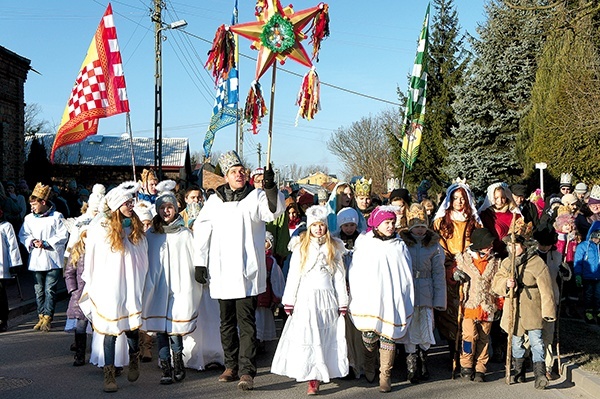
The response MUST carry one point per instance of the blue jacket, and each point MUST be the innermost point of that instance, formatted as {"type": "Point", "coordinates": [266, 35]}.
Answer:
{"type": "Point", "coordinates": [587, 257]}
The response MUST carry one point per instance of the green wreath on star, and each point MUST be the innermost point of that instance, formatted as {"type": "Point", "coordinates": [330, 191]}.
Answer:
{"type": "Point", "coordinates": [284, 40]}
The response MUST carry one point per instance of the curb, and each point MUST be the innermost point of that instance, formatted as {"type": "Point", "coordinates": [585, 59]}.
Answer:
{"type": "Point", "coordinates": [585, 380]}
{"type": "Point", "coordinates": [30, 305]}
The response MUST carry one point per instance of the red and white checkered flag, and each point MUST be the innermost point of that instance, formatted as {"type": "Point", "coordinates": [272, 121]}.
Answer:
{"type": "Point", "coordinates": [99, 89]}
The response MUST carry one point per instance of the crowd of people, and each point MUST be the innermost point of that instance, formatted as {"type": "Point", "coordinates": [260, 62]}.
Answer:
{"type": "Point", "coordinates": [357, 278]}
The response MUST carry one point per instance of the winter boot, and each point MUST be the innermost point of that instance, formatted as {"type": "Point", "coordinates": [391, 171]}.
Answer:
{"type": "Point", "coordinates": [423, 364]}
{"type": "Point", "coordinates": [134, 367]}
{"type": "Point", "coordinates": [167, 371]}
{"type": "Point", "coordinates": [80, 344]}
{"type": "Point", "coordinates": [46, 323]}
{"type": "Point", "coordinates": [38, 325]}
{"type": "Point", "coordinates": [386, 363]}
{"type": "Point", "coordinates": [110, 384]}
{"type": "Point", "coordinates": [146, 347]}
{"type": "Point", "coordinates": [518, 364]}
{"type": "Point", "coordinates": [313, 387]}
{"type": "Point", "coordinates": [539, 371]}
{"type": "Point", "coordinates": [412, 368]}
{"type": "Point", "coordinates": [370, 365]}
{"type": "Point", "coordinates": [479, 377]}
{"type": "Point", "coordinates": [179, 367]}
{"type": "Point", "coordinates": [466, 373]}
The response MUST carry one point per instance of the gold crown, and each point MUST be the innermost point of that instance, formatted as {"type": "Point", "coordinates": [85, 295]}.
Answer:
{"type": "Point", "coordinates": [362, 187]}
{"type": "Point", "coordinates": [40, 191]}
{"type": "Point", "coordinates": [229, 160]}
{"type": "Point", "coordinates": [417, 216]}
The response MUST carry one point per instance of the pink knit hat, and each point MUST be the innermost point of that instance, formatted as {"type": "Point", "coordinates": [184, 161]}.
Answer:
{"type": "Point", "coordinates": [380, 214]}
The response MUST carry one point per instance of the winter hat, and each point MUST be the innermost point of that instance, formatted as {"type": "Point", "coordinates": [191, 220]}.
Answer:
{"type": "Point", "coordinates": [270, 239]}
{"type": "Point", "coordinates": [565, 180]}
{"type": "Point", "coordinates": [72, 185]}
{"type": "Point", "coordinates": [545, 236]}
{"type": "Point", "coordinates": [165, 194]}
{"type": "Point", "coordinates": [147, 175]}
{"type": "Point", "coordinates": [581, 188]}
{"type": "Point", "coordinates": [568, 199]}
{"type": "Point", "coordinates": [347, 215]}
{"type": "Point", "coordinates": [553, 200]}
{"type": "Point", "coordinates": [229, 160]}
{"type": "Point", "coordinates": [95, 197]}
{"type": "Point", "coordinates": [257, 171]}
{"type": "Point", "coordinates": [594, 195]}
{"type": "Point", "coordinates": [41, 191]}
{"type": "Point", "coordinates": [143, 212]}
{"type": "Point", "coordinates": [481, 238]}
{"type": "Point", "coordinates": [121, 194]}
{"type": "Point", "coordinates": [562, 220]}
{"type": "Point", "coordinates": [382, 213]}
{"type": "Point", "coordinates": [400, 193]}
{"type": "Point", "coordinates": [519, 190]}
{"type": "Point", "coordinates": [316, 213]}
{"type": "Point", "coordinates": [322, 195]}
{"type": "Point", "coordinates": [417, 216]}
{"type": "Point", "coordinates": [306, 199]}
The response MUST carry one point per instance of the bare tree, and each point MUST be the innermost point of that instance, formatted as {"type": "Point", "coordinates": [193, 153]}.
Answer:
{"type": "Point", "coordinates": [363, 148]}
{"type": "Point", "coordinates": [33, 122]}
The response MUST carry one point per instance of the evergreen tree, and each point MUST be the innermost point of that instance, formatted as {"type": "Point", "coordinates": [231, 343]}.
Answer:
{"type": "Point", "coordinates": [37, 166]}
{"type": "Point", "coordinates": [494, 97]}
{"type": "Point", "coordinates": [447, 62]}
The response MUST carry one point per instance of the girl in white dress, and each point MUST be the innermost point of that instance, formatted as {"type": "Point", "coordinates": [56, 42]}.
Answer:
{"type": "Point", "coordinates": [116, 264]}
{"type": "Point", "coordinates": [312, 346]}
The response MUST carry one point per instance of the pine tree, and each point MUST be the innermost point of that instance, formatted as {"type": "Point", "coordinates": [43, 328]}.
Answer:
{"type": "Point", "coordinates": [494, 96]}
{"type": "Point", "coordinates": [37, 166]}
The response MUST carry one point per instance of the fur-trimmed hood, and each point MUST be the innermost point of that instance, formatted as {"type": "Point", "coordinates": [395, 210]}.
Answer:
{"type": "Point", "coordinates": [431, 238]}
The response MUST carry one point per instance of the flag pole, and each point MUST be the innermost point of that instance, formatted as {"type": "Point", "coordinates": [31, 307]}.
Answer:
{"type": "Point", "coordinates": [128, 128]}
{"type": "Point", "coordinates": [270, 137]}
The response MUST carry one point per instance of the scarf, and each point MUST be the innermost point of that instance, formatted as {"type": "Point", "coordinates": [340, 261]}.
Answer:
{"type": "Point", "coordinates": [175, 226]}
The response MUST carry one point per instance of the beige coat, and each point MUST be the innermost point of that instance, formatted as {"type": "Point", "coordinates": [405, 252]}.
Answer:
{"type": "Point", "coordinates": [533, 304]}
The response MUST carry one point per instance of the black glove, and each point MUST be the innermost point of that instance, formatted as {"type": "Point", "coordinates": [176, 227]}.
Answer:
{"type": "Point", "coordinates": [269, 177]}
{"type": "Point", "coordinates": [460, 276]}
{"type": "Point", "coordinates": [201, 274]}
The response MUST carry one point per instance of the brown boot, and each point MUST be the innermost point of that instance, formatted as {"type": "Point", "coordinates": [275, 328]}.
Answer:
{"type": "Point", "coordinates": [370, 365]}
{"type": "Point", "coordinates": [228, 375]}
{"type": "Point", "coordinates": [46, 323]}
{"type": "Point", "coordinates": [39, 323]}
{"type": "Point", "coordinates": [386, 363]}
{"type": "Point", "coordinates": [134, 367]}
{"type": "Point", "coordinates": [110, 384]}
{"type": "Point", "coordinates": [146, 347]}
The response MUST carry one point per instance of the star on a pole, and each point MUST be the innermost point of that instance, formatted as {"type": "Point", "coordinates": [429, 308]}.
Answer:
{"type": "Point", "coordinates": [278, 34]}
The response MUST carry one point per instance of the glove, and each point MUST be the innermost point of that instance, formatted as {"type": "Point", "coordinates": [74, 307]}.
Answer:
{"type": "Point", "coordinates": [579, 281]}
{"type": "Point", "coordinates": [565, 272]}
{"type": "Point", "coordinates": [201, 274]}
{"type": "Point", "coordinates": [289, 309]}
{"type": "Point", "coordinates": [343, 310]}
{"type": "Point", "coordinates": [269, 177]}
{"type": "Point", "coordinates": [460, 276]}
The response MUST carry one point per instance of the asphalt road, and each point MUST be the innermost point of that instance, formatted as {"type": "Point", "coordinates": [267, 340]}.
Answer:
{"type": "Point", "coordinates": [39, 365]}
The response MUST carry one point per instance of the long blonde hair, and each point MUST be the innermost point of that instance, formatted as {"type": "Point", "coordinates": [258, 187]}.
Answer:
{"type": "Point", "coordinates": [78, 250]}
{"type": "Point", "coordinates": [116, 233]}
{"type": "Point", "coordinates": [305, 239]}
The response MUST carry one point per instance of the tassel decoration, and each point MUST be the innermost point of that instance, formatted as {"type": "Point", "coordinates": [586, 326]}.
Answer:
{"type": "Point", "coordinates": [255, 108]}
{"type": "Point", "coordinates": [221, 57]}
{"type": "Point", "coordinates": [309, 96]}
{"type": "Point", "coordinates": [320, 30]}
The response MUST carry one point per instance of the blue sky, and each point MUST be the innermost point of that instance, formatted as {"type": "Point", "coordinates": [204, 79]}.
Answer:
{"type": "Point", "coordinates": [370, 51]}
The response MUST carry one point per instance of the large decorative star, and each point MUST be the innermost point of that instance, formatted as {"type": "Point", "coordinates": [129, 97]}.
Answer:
{"type": "Point", "coordinates": [278, 34]}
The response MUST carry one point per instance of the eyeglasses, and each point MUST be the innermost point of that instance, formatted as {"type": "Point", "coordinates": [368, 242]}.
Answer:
{"type": "Point", "coordinates": [130, 203]}
{"type": "Point", "coordinates": [565, 189]}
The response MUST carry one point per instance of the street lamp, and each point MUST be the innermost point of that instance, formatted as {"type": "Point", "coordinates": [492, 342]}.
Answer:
{"type": "Point", "coordinates": [159, 27]}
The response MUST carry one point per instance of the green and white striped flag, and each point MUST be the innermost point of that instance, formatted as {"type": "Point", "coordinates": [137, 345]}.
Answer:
{"type": "Point", "coordinates": [412, 126]}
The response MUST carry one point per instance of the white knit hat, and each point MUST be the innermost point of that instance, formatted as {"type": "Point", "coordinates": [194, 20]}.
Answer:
{"type": "Point", "coordinates": [95, 198]}
{"type": "Point", "coordinates": [142, 211]}
{"type": "Point", "coordinates": [121, 194]}
{"type": "Point", "coordinates": [316, 213]}
{"type": "Point", "coordinates": [165, 194]}
{"type": "Point", "coordinates": [347, 215]}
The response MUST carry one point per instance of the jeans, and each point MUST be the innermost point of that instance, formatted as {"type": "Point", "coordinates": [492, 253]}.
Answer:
{"type": "Point", "coordinates": [45, 290]}
{"type": "Point", "coordinates": [110, 341]}
{"type": "Point", "coordinates": [81, 326]}
{"type": "Point", "coordinates": [591, 294]}
{"type": "Point", "coordinates": [164, 352]}
{"type": "Point", "coordinates": [239, 313]}
{"type": "Point", "coordinates": [538, 350]}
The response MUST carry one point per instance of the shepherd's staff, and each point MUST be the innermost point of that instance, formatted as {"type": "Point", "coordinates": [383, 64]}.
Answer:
{"type": "Point", "coordinates": [459, 319]}
{"type": "Point", "coordinates": [511, 291]}
{"type": "Point", "coordinates": [562, 280]}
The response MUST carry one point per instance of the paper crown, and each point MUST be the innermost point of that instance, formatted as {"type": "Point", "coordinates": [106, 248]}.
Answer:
{"type": "Point", "coordinates": [565, 179]}
{"type": "Point", "coordinates": [393, 184]}
{"type": "Point", "coordinates": [416, 216]}
{"type": "Point", "coordinates": [594, 195]}
{"type": "Point", "coordinates": [362, 187]}
{"type": "Point", "coordinates": [228, 160]}
{"type": "Point", "coordinates": [41, 191]}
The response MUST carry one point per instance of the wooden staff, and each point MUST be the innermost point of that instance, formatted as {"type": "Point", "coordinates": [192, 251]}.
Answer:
{"type": "Point", "coordinates": [511, 293]}
{"type": "Point", "coordinates": [560, 292]}
{"type": "Point", "coordinates": [458, 339]}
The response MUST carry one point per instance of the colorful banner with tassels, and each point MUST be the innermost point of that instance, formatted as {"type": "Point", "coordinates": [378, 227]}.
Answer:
{"type": "Point", "coordinates": [255, 108]}
{"type": "Point", "coordinates": [414, 117]}
{"type": "Point", "coordinates": [309, 96]}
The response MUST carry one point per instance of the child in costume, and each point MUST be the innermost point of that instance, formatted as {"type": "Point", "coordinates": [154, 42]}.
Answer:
{"type": "Point", "coordinates": [116, 264]}
{"type": "Point", "coordinates": [566, 245]}
{"type": "Point", "coordinates": [587, 272]}
{"type": "Point", "coordinates": [312, 346]}
{"type": "Point", "coordinates": [429, 279]}
{"type": "Point", "coordinates": [381, 287]}
{"type": "Point", "coordinates": [10, 258]}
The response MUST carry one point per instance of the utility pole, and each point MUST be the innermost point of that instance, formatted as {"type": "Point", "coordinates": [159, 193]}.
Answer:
{"type": "Point", "coordinates": [259, 147]}
{"type": "Point", "coordinates": [157, 18]}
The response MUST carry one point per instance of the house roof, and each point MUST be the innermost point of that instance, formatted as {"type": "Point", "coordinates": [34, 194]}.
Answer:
{"type": "Point", "coordinates": [115, 151]}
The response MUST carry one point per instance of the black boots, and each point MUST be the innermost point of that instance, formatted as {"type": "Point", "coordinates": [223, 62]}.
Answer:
{"type": "Point", "coordinates": [423, 364]}
{"type": "Point", "coordinates": [412, 368]}
{"type": "Point", "coordinates": [80, 345]}
{"type": "Point", "coordinates": [519, 366]}
{"type": "Point", "coordinates": [167, 371]}
{"type": "Point", "coordinates": [179, 370]}
{"type": "Point", "coordinates": [539, 371]}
